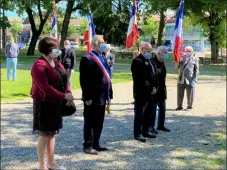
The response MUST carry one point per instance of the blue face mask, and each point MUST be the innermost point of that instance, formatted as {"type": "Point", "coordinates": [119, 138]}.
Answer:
{"type": "Point", "coordinates": [147, 55]}
{"type": "Point", "coordinates": [102, 47]}
{"type": "Point", "coordinates": [165, 57]}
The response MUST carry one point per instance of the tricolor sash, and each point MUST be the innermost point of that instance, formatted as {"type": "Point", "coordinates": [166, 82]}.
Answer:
{"type": "Point", "coordinates": [104, 67]}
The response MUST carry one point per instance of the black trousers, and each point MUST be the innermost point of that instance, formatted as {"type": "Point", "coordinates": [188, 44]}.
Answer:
{"type": "Point", "coordinates": [93, 124]}
{"type": "Point", "coordinates": [161, 112]}
{"type": "Point", "coordinates": [142, 110]}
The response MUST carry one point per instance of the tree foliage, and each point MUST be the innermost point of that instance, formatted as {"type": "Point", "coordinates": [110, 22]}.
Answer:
{"type": "Point", "coordinates": [16, 27]}
{"type": "Point", "coordinates": [160, 8]}
{"type": "Point", "coordinates": [211, 15]}
{"type": "Point", "coordinates": [150, 27]}
{"type": "Point", "coordinates": [111, 18]}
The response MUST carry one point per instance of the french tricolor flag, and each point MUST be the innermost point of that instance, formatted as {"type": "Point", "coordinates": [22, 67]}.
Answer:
{"type": "Point", "coordinates": [178, 34]}
{"type": "Point", "coordinates": [89, 33]}
{"type": "Point", "coordinates": [54, 28]}
{"type": "Point", "coordinates": [133, 33]}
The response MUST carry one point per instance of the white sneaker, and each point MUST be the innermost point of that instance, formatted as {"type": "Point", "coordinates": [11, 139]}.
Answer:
{"type": "Point", "coordinates": [57, 167]}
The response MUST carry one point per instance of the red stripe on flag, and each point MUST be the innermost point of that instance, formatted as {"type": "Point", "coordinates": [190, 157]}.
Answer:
{"type": "Point", "coordinates": [87, 40]}
{"type": "Point", "coordinates": [177, 49]}
{"type": "Point", "coordinates": [132, 37]}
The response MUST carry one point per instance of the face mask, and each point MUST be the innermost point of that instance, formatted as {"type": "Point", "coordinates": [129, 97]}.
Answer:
{"type": "Point", "coordinates": [102, 47]}
{"type": "Point", "coordinates": [165, 57]}
{"type": "Point", "coordinates": [147, 55]}
{"type": "Point", "coordinates": [67, 46]}
{"type": "Point", "coordinates": [55, 53]}
{"type": "Point", "coordinates": [10, 41]}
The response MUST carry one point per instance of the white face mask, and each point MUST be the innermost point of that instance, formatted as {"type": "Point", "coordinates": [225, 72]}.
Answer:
{"type": "Point", "coordinates": [11, 41]}
{"type": "Point", "coordinates": [55, 53]}
{"type": "Point", "coordinates": [67, 46]}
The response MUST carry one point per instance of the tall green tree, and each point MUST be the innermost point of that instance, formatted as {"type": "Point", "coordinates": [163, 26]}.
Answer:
{"type": "Point", "coordinates": [212, 17]}
{"type": "Point", "coordinates": [112, 23]}
{"type": "Point", "coordinates": [150, 27]}
{"type": "Point", "coordinates": [33, 7]}
{"type": "Point", "coordinates": [160, 8]}
{"type": "Point", "coordinates": [4, 22]}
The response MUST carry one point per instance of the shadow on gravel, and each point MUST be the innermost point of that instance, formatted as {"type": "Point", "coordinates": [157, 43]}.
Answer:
{"type": "Point", "coordinates": [188, 133]}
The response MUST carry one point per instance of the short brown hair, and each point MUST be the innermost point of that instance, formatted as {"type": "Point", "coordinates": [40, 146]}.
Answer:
{"type": "Point", "coordinates": [46, 44]}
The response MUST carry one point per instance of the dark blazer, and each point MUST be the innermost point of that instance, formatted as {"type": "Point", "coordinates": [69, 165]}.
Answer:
{"type": "Point", "coordinates": [161, 77]}
{"type": "Point", "coordinates": [93, 83]}
{"type": "Point", "coordinates": [143, 78]}
{"type": "Point", "coordinates": [45, 82]}
{"type": "Point", "coordinates": [68, 58]}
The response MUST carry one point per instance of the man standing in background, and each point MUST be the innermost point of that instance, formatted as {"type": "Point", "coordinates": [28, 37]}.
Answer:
{"type": "Point", "coordinates": [12, 51]}
{"type": "Point", "coordinates": [188, 73]}
{"type": "Point", "coordinates": [68, 59]}
{"type": "Point", "coordinates": [110, 59]}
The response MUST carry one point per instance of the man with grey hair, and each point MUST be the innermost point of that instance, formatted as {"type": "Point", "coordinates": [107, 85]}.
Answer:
{"type": "Point", "coordinates": [68, 59]}
{"type": "Point", "coordinates": [96, 94]}
{"type": "Point", "coordinates": [188, 73]}
{"type": "Point", "coordinates": [161, 95]}
{"type": "Point", "coordinates": [12, 51]}
{"type": "Point", "coordinates": [110, 59]}
{"type": "Point", "coordinates": [144, 88]}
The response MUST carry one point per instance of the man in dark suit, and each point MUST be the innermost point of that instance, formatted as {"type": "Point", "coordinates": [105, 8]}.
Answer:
{"type": "Point", "coordinates": [96, 93]}
{"type": "Point", "coordinates": [110, 59]}
{"type": "Point", "coordinates": [161, 95]}
{"type": "Point", "coordinates": [144, 88]}
{"type": "Point", "coordinates": [68, 59]}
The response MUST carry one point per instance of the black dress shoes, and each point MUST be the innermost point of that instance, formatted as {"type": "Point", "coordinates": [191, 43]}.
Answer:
{"type": "Point", "coordinates": [189, 107]}
{"type": "Point", "coordinates": [179, 108]}
{"type": "Point", "coordinates": [100, 149]}
{"type": "Point", "coordinates": [90, 151]}
{"type": "Point", "coordinates": [149, 135]}
{"type": "Point", "coordinates": [140, 138]}
{"type": "Point", "coordinates": [153, 130]}
{"type": "Point", "coordinates": [163, 129]}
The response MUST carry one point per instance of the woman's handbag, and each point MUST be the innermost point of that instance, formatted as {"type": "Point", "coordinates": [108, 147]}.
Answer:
{"type": "Point", "coordinates": [67, 110]}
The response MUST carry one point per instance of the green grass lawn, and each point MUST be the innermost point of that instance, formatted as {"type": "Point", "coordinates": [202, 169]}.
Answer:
{"type": "Point", "coordinates": [18, 90]}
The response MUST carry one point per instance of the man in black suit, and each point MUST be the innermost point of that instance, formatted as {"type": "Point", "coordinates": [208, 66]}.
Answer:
{"type": "Point", "coordinates": [96, 93]}
{"type": "Point", "coordinates": [110, 59]}
{"type": "Point", "coordinates": [68, 59]}
{"type": "Point", "coordinates": [161, 95]}
{"type": "Point", "coordinates": [144, 88]}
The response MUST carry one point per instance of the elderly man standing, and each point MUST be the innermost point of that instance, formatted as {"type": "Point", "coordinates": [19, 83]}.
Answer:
{"type": "Point", "coordinates": [188, 73]}
{"type": "Point", "coordinates": [96, 93]}
{"type": "Point", "coordinates": [144, 88]}
{"type": "Point", "coordinates": [12, 51]}
{"type": "Point", "coordinates": [68, 58]}
{"type": "Point", "coordinates": [161, 95]}
{"type": "Point", "coordinates": [110, 59]}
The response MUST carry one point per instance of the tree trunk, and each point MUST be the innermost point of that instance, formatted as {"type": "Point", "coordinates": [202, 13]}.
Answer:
{"type": "Point", "coordinates": [35, 33]}
{"type": "Point", "coordinates": [64, 30]}
{"type": "Point", "coordinates": [213, 50]}
{"type": "Point", "coordinates": [161, 28]}
{"type": "Point", "coordinates": [35, 37]}
{"type": "Point", "coordinates": [3, 32]}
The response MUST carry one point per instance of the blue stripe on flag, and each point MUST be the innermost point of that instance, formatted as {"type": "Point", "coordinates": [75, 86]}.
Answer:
{"type": "Point", "coordinates": [180, 14]}
{"type": "Point", "coordinates": [54, 22]}
{"type": "Point", "coordinates": [90, 20]}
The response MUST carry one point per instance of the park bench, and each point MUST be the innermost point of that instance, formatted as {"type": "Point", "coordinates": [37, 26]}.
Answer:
{"type": "Point", "coordinates": [206, 61]}
{"type": "Point", "coordinates": [124, 54]}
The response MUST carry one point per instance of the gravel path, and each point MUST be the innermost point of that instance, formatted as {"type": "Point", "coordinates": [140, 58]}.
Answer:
{"type": "Point", "coordinates": [190, 144]}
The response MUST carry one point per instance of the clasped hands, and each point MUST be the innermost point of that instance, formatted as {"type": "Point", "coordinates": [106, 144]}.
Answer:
{"type": "Point", "coordinates": [69, 97]}
{"type": "Point", "coordinates": [89, 102]}
{"type": "Point", "coordinates": [154, 90]}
